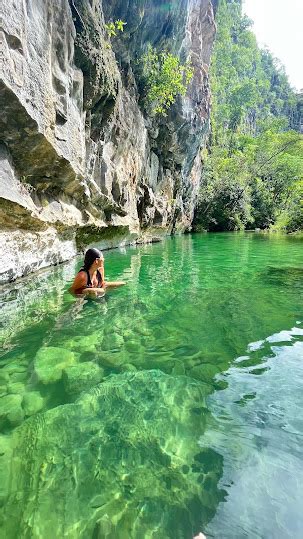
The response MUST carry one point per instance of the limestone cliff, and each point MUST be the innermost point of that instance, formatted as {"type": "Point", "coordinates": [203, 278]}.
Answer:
{"type": "Point", "coordinates": [80, 161]}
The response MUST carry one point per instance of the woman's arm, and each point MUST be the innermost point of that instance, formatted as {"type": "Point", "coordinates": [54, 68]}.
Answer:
{"type": "Point", "coordinates": [102, 271]}
{"type": "Point", "coordinates": [93, 292]}
{"type": "Point", "coordinates": [113, 284]}
{"type": "Point", "coordinates": [79, 286]}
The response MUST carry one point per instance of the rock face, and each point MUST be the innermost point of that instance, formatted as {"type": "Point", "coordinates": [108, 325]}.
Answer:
{"type": "Point", "coordinates": [80, 161]}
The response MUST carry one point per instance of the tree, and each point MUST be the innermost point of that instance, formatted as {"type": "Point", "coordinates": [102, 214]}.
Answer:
{"type": "Point", "coordinates": [253, 167]}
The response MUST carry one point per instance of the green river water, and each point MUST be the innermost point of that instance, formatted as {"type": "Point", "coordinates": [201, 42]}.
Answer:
{"type": "Point", "coordinates": [171, 406]}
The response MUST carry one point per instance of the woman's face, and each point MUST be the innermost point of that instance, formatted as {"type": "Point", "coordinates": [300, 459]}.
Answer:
{"type": "Point", "coordinates": [99, 262]}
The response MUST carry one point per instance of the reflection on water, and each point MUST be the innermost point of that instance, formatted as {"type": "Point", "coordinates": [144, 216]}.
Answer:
{"type": "Point", "coordinates": [170, 405]}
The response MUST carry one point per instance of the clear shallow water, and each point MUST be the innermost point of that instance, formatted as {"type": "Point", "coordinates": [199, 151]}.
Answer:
{"type": "Point", "coordinates": [171, 406]}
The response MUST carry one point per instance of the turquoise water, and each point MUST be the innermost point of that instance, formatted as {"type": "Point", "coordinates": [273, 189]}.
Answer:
{"type": "Point", "coordinates": [171, 406]}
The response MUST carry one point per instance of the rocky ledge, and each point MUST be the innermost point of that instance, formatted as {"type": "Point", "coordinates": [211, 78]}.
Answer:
{"type": "Point", "coordinates": [80, 160]}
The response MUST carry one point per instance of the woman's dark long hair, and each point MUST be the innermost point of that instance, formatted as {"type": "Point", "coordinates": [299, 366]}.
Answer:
{"type": "Point", "coordinates": [90, 257]}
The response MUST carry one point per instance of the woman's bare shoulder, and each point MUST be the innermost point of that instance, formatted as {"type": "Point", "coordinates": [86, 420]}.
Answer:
{"type": "Point", "coordinates": [80, 281]}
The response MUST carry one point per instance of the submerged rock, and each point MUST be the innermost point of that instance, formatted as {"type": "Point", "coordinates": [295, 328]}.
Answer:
{"type": "Point", "coordinates": [16, 388]}
{"type": "Point", "coordinates": [82, 376]}
{"type": "Point", "coordinates": [119, 462]}
{"type": "Point", "coordinates": [19, 377]}
{"type": "Point", "coordinates": [11, 410]}
{"type": "Point", "coordinates": [112, 341]}
{"type": "Point", "coordinates": [4, 377]}
{"type": "Point", "coordinates": [32, 403]}
{"type": "Point", "coordinates": [128, 367]}
{"type": "Point", "coordinates": [50, 362]}
{"type": "Point", "coordinates": [14, 368]}
{"type": "Point", "coordinates": [133, 347]}
{"type": "Point", "coordinates": [205, 372]}
{"type": "Point", "coordinates": [3, 390]}
{"type": "Point", "coordinates": [85, 343]}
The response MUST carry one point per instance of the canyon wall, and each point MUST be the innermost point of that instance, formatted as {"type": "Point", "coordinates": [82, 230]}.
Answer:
{"type": "Point", "coordinates": [81, 162]}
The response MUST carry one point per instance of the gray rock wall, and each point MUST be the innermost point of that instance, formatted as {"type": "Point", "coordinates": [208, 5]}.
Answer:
{"type": "Point", "coordinates": [80, 162]}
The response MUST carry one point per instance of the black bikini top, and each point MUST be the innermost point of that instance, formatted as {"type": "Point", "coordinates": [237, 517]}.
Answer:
{"type": "Point", "coordinates": [89, 282]}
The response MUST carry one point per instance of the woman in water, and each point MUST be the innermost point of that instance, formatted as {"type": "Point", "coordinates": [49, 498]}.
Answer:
{"type": "Point", "coordinates": [91, 278]}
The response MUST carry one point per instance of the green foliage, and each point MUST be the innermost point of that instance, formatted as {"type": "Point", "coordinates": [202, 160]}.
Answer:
{"type": "Point", "coordinates": [113, 27]}
{"type": "Point", "coordinates": [248, 85]}
{"type": "Point", "coordinates": [164, 78]}
{"type": "Point", "coordinates": [224, 194]}
{"type": "Point", "coordinates": [257, 184]}
{"type": "Point", "coordinates": [291, 218]}
{"type": "Point", "coordinates": [252, 174]}
{"type": "Point", "coordinates": [275, 170]}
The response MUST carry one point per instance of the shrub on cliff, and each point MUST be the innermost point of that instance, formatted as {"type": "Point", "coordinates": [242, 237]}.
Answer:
{"type": "Point", "coordinates": [164, 78]}
{"type": "Point", "coordinates": [113, 27]}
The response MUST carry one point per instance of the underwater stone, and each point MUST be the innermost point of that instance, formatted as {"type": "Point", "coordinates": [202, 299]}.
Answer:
{"type": "Point", "coordinates": [4, 377]}
{"type": "Point", "coordinates": [128, 367]}
{"type": "Point", "coordinates": [112, 341]}
{"type": "Point", "coordinates": [109, 359]}
{"type": "Point", "coordinates": [82, 376]}
{"type": "Point", "coordinates": [32, 403]}
{"type": "Point", "coordinates": [50, 362]}
{"type": "Point", "coordinates": [179, 369]}
{"type": "Point", "coordinates": [10, 409]}
{"type": "Point", "coordinates": [14, 368]}
{"type": "Point", "coordinates": [18, 377]}
{"type": "Point", "coordinates": [98, 460]}
{"type": "Point", "coordinates": [16, 388]}
{"type": "Point", "coordinates": [87, 356]}
{"type": "Point", "coordinates": [132, 346]}
{"type": "Point", "coordinates": [128, 334]}
{"type": "Point", "coordinates": [5, 479]}
{"type": "Point", "coordinates": [3, 390]}
{"type": "Point", "coordinates": [83, 344]}
{"type": "Point", "coordinates": [204, 372]}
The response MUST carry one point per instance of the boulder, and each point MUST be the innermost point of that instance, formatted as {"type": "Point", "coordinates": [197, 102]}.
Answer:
{"type": "Point", "coordinates": [204, 372]}
{"type": "Point", "coordinates": [83, 343]}
{"type": "Point", "coordinates": [112, 341]}
{"type": "Point", "coordinates": [32, 403]}
{"type": "Point", "coordinates": [82, 376]}
{"type": "Point", "coordinates": [50, 362]}
{"type": "Point", "coordinates": [128, 367]}
{"type": "Point", "coordinates": [11, 410]}
{"type": "Point", "coordinates": [16, 388]}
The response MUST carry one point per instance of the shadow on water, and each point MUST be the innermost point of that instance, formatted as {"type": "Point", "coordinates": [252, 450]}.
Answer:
{"type": "Point", "coordinates": [103, 403]}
